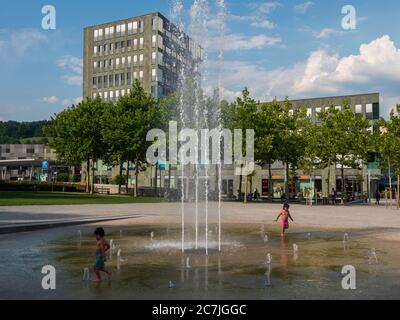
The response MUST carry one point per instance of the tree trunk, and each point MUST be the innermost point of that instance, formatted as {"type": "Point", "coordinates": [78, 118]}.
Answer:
{"type": "Point", "coordinates": [121, 164]}
{"type": "Point", "coordinates": [136, 180]}
{"type": "Point", "coordinates": [329, 179]}
{"type": "Point", "coordinates": [156, 181]}
{"type": "Point", "coordinates": [343, 187]}
{"type": "Point", "coordinates": [246, 184]}
{"type": "Point", "coordinates": [169, 177]}
{"type": "Point", "coordinates": [398, 191]}
{"type": "Point", "coordinates": [270, 184]}
{"type": "Point", "coordinates": [127, 178]}
{"type": "Point", "coordinates": [87, 178]}
{"type": "Point", "coordinates": [287, 182]}
{"type": "Point", "coordinates": [240, 180]}
{"type": "Point", "coordinates": [92, 188]}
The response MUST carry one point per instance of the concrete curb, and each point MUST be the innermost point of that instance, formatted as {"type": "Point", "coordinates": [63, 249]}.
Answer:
{"type": "Point", "coordinates": [24, 227]}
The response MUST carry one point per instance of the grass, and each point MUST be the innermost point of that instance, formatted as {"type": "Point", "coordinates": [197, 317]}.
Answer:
{"type": "Point", "coordinates": [59, 198]}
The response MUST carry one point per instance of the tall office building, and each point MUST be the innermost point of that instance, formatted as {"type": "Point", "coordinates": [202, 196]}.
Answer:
{"type": "Point", "coordinates": [149, 48]}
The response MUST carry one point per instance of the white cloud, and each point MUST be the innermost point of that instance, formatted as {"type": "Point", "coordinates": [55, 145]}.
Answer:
{"type": "Point", "coordinates": [241, 42]}
{"type": "Point", "coordinates": [326, 32]}
{"type": "Point", "coordinates": [254, 21]}
{"type": "Point", "coordinates": [375, 68]}
{"type": "Point", "coordinates": [267, 7]}
{"type": "Point", "coordinates": [74, 68]}
{"type": "Point", "coordinates": [69, 102]}
{"type": "Point", "coordinates": [51, 99]}
{"type": "Point", "coordinates": [267, 24]}
{"type": "Point", "coordinates": [303, 7]}
{"type": "Point", "coordinates": [17, 43]}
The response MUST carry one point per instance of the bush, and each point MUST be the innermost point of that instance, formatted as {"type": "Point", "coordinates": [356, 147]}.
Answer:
{"type": "Point", "coordinates": [119, 180]}
{"type": "Point", "coordinates": [40, 186]}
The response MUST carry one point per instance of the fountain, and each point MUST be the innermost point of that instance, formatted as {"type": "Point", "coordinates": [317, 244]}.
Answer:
{"type": "Point", "coordinates": [373, 256]}
{"type": "Point", "coordinates": [120, 233]}
{"type": "Point", "coordinates": [119, 259]}
{"type": "Point", "coordinates": [151, 236]}
{"type": "Point", "coordinates": [295, 248]}
{"type": "Point", "coordinates": [269, 259]}
{"type": "Point", "coordinates": [86, 274]}
{"type": "Point", "coordinates": [171, 285]}
{"type": "Point", "coordinates": [80, 235]}
{"type": "Point", "coordinates": [309, 236]}
{"type": "Point", "coordinates": [266, 239]}
{"type": "Point", "coordinates": [346, 238]}
{"type": "Point", "coordinates": [188, 263]}
{"type": "Point", "coordinates": [268, 276]}
{"type": "Point", "coordinates": [194, 114]}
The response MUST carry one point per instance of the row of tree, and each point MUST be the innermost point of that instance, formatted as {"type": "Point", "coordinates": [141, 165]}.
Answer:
{"type": "Point", "coordinates": [116, 132]}
{"type": "Point", "coordinates": [288, 135]}
{"type": "Point", "coordinates": [112, 132]}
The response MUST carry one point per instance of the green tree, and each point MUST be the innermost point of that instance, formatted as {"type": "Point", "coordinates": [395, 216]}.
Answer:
{"type": "Point", "coordinates": [125, 127]}
{"type": "Point", "coordinates": [74, 134]}
{"type": "Point", "coordinates": [291, 139]}
{"type": "Point", "coordinates": [344, 138]}
{"type": "Point", "coordinates": [244, 113]}
{"type": "Point", "coordinates": [388, 145]}
{"type": "Point", "coordinates": [267, 129]}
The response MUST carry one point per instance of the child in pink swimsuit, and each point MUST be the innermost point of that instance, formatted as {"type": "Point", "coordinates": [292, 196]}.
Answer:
{"type": "Point", "coordinates": [285, 216]}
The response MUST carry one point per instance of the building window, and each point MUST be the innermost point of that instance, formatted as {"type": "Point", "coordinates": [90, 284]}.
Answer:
{"type": "Point", "coordinates": [153, 57]}
{"type": "Point", "coordinates": [154, 23]}
{"type": "Point", "coordinates": [154, 41]}
{"type": "Point", "coordinates": [130, 27]}
{"type": "Point", "coordinates": [309, 112]}
{"type": "Point", "coordinates": [153, 74]}
{"type": "Point", "coordinates": [358, 109]}
{"type": "Point", "coordinates": [128, 78]}
{"type": "Point", "coordinates": [111, 94]}
{"type": "Point", "coordinates": [116, 82]}
{"type": "Point", "coordinates": [338, 108]}
{"type": "Point", "coordinates": [141, 26]}
{"type": "Point", "coordinates": [110, 80]}
{"type": "Point", "coordinates": [141, 74]}
{"type": "Point", "coordinates": [141, 58]}
{"type": "Point", "coordinates": [141, 43]}
{"type": "Point", "coordinates": [369, 111]}
{"type": "Point", "coordinates": [122, 79]}
{"type": "Point", "coordinates": [135, 60]}
{"type": "Point", "coordinates": [135, 27]}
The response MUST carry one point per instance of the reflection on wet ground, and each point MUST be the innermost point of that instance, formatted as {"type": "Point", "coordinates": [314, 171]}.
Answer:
{"type": "Point", "coordinates": [255, 263]}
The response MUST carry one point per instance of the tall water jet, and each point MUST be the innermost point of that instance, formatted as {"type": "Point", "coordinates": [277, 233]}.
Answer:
{"type": "Point", "coordinates": [373, 257]}
{"type": "Point", "coordinates": [221, 28]}
{"type": "Point", "coordinates": [269, 259]}
{"type": "Point", "coordinates": [86, 274]}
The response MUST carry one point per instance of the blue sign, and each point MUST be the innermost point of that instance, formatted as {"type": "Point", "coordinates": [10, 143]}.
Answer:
{"type": "Point", "coordinates": [45, 165]}
{"type": "Point", "coordinates": [161, 165]}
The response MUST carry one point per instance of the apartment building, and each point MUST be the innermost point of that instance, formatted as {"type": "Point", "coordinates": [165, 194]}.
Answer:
{"type": "Point", "coordinates": [147, 48]}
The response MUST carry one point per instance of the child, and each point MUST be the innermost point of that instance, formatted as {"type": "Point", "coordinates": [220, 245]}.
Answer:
{"type": "Point", "coordinates": [102, 247]}
{"type": "Point", "coordinates": [285, 216]}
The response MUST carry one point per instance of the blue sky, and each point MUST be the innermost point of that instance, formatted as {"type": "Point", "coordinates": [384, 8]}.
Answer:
{"type": "Point", "coordinates": [276, 48]}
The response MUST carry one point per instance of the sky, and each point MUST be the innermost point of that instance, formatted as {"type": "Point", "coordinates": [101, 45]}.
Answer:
{"type": "Point", "coordinates": [291, 48]}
